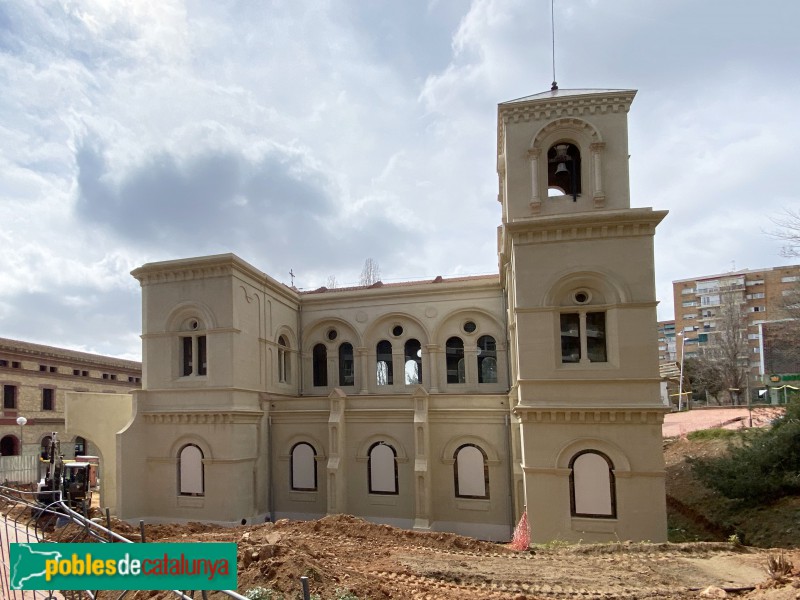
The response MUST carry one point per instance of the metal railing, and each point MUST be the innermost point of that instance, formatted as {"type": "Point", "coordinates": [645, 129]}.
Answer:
{"type": "Point", "coordinates": [25, 520]}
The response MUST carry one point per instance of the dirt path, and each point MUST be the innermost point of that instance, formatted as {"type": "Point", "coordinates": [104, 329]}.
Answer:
{"type": "Point", "coordinates": [341, 552]}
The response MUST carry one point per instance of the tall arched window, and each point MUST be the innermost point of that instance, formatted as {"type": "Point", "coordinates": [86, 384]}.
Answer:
{"type": "Point", "coordinates": [194, 359]}
{"type": "Point", "coordinates": [564, 170]}
{"type": "Point", "coordinates": [382, 469]}
{"type": "Point", "coordinates": [320, 366]}
{"type": "Point", "coordinates": [346, 364]}
{"type": "Point", "coordinates": [190, 471]}
{"type": "Point", "coordinates": [413, 362]}
{"type": "Point", "coordinates": [80, 446]}
{"type": "Point", "coordinates": [304, 467]}
{"type": "Point", "coordinates": [454, 355]}
{"type": "Point", "coordinates": [283, 360]}
{"type": "Point", "coordinates": [471, 472]}
{"type": "Point", "coordinates": [487, 359]}
{"type": "Point", "coordinates": [592, 485]}
{"type": "Point", "coordinates": [383, 363]}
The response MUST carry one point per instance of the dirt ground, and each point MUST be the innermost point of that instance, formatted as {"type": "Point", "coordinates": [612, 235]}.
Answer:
{"type": "Point", "coordinates": [341, 554]}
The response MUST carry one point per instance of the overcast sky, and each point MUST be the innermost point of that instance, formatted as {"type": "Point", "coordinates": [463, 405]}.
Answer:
{"type": "Point", "coordinates": [312, 135]}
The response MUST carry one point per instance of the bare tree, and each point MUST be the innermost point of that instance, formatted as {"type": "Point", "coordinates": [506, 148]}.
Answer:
{"type": "Point", "coordinates": [371, 273]}
{"type": "Point", "coordinates": [331, 282]}
{"type": "Point", "coordinates": [722, 363]}
{"type": "Point", "coordinates": [788, 231]}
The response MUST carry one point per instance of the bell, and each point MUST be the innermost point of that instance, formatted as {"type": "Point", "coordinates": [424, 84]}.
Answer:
{"type": "Point", "coordinates": [561, 168]}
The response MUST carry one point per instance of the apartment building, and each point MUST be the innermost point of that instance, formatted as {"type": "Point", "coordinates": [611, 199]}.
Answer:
{"type": "Point", "coordinates": [707, 306]}
{"type": "Point", "coordinates": [35, 380]}
{"type": "Point", "coordinates": [667, 352]}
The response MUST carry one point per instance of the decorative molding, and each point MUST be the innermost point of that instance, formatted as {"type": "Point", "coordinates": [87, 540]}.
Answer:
{"type": "Point", "coordinates": [536, 206]}
{"type": "Point", "coordinates": [577, 106]}
{"type": "Point", "coordinates": [558, 233]}
{"type": "Point", "coordinates": [581, 416]}
{"type": "Point", "coordinates": [184, 274]}
{"type": "Point", "coordinates": [200, 418]}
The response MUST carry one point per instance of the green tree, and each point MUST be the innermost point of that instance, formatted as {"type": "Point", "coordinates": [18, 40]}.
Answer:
{"type": "Point", "coordinates": [763, 468]}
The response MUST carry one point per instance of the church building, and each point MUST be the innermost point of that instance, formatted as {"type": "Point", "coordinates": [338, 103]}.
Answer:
{"type": "Point", "coordinates": [454, 404]}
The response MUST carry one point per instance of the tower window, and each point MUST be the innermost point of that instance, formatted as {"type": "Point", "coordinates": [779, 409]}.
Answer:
{"type": "Point", "coordinates": [583, 337]}
{"type": "Point", "coordinates": [564, 170]}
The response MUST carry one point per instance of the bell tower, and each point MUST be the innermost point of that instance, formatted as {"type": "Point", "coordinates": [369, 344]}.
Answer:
{"type": "Point", "coordinates": [577, 265]}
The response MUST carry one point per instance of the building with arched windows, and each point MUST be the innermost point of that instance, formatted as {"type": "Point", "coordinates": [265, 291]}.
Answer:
{"type": "Point", "coordinates": [453, 404]}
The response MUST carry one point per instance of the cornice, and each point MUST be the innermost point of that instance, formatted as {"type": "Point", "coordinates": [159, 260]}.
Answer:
{"type": "Point", "coordinates": [584, 226]}
{"type": "Point", "coordinates": [581, 416]}
{"type": "Point", "coordinates": [201, 417]}
{"type": "Point", "coordinates": [541, 109]}
{"type": "Point", "coordinates": [206, 267]}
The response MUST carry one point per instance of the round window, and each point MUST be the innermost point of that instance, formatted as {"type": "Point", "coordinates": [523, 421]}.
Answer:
{"type": "Point", "coordinates": [332, 334]}
{"type": "Point", "coordinates": [397, 331]}
{"type": "Point", "coordinates": [193, 324]}
{"type": "Point", "coordinates": [470, 326]}
{"type": "Point", "coordinates": [582, 297]}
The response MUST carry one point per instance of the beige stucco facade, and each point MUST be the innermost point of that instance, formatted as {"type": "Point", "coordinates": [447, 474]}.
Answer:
{"type": "Point", "coordinates": [447, 405]}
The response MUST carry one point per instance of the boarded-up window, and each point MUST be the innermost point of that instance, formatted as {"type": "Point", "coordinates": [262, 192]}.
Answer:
{"type": "Point", "coordinates": [471, 472]}
{"type": "Point", "coordinates": [382, 468]}
{"type": "Point", "coordinates": [592, 485]}
{"type": "Point", "coordinates": [304, 467]}
{"type": "Point", "coordinates": [190, 471]}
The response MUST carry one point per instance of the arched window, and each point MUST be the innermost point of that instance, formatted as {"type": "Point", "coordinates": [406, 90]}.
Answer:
{"type": "Point", "coordinates": [283, 360]}
{"type": "Point", "coordinates": [80, 446]}
{"type": "Point", "coordinates": [592, 485]}
{"type": "Point", "coordinates": [190, 471]}
{"type": "Point", "coordinates": [193, 348]}
{"type": "Point", "coordinates": [9, 446]}
{"type": "Point", "coordinates": [487, 359]}
{"type": "Point", "coordinates": [564, 170]}
{"type": "Point", "coordinates": [304, 468]}
{"type": "Point", "coordinates": [320, 359]}
{"type": "Point", "coordinates": [454, 354]}
{"type": "Point", "coordinates": [346, 364]}
{"type": "Point", "coordinates": [471, 472]}
{"type": "Point", "coordinates": [382, 469]}
{"type": "Point", "coordinates": [383, 359]}
{"type": "Point", "coordinates": [413, 362]}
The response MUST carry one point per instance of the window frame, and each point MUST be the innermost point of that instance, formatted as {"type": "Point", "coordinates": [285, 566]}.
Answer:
{"type": "Point", "coordinates": [582, 336]}
{"type": "Point", "coordinates": [612, 484]}
{"type": "Point", "coordinates": [51, 400]}
{"type": "Point", "coordinates": [313, 464]}
{"type": "Point", "coordinates": [485, 460]}
{"type": "Point", "coordinates": [202, 491]}
{"type": "Point", "coordinates": [370, 489]}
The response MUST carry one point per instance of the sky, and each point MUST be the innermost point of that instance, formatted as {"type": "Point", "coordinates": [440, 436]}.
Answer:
{"type": "Point", "coordinates": [312, 135]}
